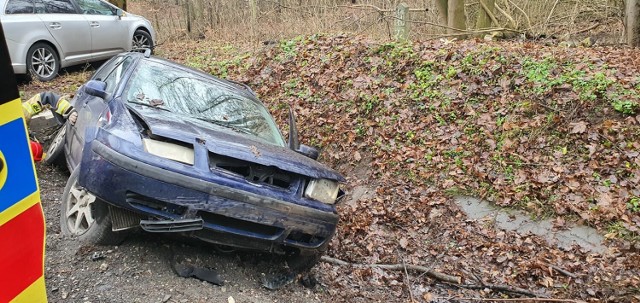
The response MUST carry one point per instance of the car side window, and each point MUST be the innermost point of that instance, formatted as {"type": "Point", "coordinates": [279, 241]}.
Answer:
{"type": "Point", "coordinates": [96, 7]}
{"type": "Point", "coordinates": [59, 7]}
{"type": "Point", "coordinates": [117, 74]}
{"type": "Point", "coordinates": [19, 7]}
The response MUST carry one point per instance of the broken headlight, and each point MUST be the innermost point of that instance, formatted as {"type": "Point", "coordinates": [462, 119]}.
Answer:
{"type": "Point", "coordinates": [168, 150]}
{"type": "Point", "coordinates": [323, 190]}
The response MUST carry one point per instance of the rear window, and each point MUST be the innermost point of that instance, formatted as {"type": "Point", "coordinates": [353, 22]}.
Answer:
{"type": "Point", "coordinates": [19, 7]}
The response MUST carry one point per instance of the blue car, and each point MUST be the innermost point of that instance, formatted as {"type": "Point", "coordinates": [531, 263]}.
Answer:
{"type": "Point", "coordinates": [169, 149]}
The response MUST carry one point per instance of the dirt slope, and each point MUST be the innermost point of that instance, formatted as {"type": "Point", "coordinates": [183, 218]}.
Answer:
{"type": "Point", "coordinates": [549, 130]}
{"type": "Point", "coordinates": [546, 129]}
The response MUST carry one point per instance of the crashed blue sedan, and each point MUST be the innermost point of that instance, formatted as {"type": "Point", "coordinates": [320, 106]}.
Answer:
{"type": "Point", "coordinates": [169, 149]}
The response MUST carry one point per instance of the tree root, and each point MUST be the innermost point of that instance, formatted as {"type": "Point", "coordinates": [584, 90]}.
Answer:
{"type": "Point", "coordinates": [453, 280]}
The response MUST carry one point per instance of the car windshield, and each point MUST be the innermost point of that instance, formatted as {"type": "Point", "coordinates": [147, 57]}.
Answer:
{"type": "Point", "coordinates": [184, 93]}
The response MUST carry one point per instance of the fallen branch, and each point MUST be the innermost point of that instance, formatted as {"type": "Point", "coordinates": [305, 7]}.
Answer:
{"type": "Point", "coordinates": [561, 270]}
{"type": "Point", "coordinates": [457, 281]}
{"type": "Point", "coordinates": [430, 273]}
{"type": "Point", "coordinates": [519, 300]}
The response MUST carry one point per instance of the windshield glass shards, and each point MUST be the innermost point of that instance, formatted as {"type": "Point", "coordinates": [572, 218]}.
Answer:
{"type": "Point", "coordinates": [181, 92]}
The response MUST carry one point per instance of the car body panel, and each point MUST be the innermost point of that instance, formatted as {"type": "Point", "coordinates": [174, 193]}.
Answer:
{"type": "Point", "coordinates": [72, 34]}
{"type": "Point", "coordinates": [225, 142]}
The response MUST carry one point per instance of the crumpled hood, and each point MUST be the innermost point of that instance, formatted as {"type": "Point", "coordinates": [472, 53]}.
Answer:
{"type": "Point", "coordinates": [227, 142]}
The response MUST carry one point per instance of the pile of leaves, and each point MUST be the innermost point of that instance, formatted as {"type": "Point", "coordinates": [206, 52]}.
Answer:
{"type": "Point", "coordinates": [550, 130]}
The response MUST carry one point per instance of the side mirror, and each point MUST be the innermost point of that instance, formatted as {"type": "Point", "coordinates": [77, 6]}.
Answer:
{"type": "Point", "coordinates": [96, 88]}
{"type": "Point", "coordinates": [308, 151]}
{"type": "Point", "coordinates": [119, 13]}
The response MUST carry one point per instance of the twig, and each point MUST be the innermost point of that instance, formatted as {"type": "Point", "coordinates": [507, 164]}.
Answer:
{"type": "Point", "coordinates": [551, 13]}
{"type": "Point", "coordinates": [523, 13]}
{"type": "Point", "coordinates": [430, 273]}
{"type": "Point", "coordinates": [489, 13]}
{"type": "Point", "coordinates": [585, 29]}
{"type": "Point", "coordinates": [460, 31]}
{"type": "Point", "coordinates": [408, 282]}
{"type": "Point", "coordinates": [503, 288]}
{"type": "Point", "coordinates": [519, 300]}
{"type": "Point", "coordinates": [562, 271]}
{"type": "Point", "coordinates": [504, 13]}
{"type": "Point", "coordinates": [453, 280]}
{"type": "Point", "coordinates": [370, 6]}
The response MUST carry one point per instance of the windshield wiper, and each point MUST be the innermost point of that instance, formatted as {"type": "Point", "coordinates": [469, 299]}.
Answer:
{"type": "Point", "coordinates": [148, 105]}
{"type": "Point", "coordinates": [224, 124]}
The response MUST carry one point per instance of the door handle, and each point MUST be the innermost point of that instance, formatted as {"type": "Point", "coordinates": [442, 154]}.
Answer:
{"type": "Point", "coordinates": [55, 25]}
{"type": "Point", "coordinates": [94, 24]}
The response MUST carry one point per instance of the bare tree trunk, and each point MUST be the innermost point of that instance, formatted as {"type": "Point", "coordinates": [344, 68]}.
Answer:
{"type": "Point", "coordinates": [632, 22]}
{"type": "Point", "coordinates": [484, 20]}
{"type": "Point", "coordinates": [456, 17]}
{"type": "Point", "coordinates": [443, 12]}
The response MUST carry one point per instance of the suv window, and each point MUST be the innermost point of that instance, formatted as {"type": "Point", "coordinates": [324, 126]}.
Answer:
{"type": "Point", "coordinates": [58, 7]}
{"type": "Point", "coordinates": [96, 7]}
{"type": "Point", "coordinates": [19, 7]}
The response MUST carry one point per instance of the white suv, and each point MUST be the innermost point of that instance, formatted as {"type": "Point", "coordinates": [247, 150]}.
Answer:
{"type": "Point", "coordinates": [45, 35]}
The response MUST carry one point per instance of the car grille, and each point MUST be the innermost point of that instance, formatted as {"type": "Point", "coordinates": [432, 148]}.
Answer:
{"type": "Point", "coordinates": [237, 225]}
{"type": "Point", "coordinates": [251, 171]}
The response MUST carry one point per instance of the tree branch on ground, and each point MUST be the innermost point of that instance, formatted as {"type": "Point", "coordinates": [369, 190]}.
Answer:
{"type": "Point", "coordinates": [453, 280]}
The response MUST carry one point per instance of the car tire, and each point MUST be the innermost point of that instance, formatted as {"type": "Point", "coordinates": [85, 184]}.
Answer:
{"type": "Point", "coordinates": [140, 41]}
{"type": "Point", "coordinates": [55, 151]}
{"type": "Point", "coordinates": [42, 62]}
{"type": "Point", "coordinates": [85, 216]}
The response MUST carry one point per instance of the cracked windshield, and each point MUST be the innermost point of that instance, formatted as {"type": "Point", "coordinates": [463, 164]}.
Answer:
{"type": "Point", "coordinates": [160, 86]}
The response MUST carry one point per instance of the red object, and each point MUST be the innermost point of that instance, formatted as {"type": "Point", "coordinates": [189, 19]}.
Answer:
{"type": "Point", "coordinates": [36, 151]}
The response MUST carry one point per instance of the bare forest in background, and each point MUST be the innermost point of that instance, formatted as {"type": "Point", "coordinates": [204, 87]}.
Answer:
{"type": "Point", "coordinates": [254, 21]}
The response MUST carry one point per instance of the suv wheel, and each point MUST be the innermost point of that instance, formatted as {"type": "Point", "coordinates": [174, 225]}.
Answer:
{"type": "Point", "coordinates": [42, 61]}
{"type": "Point", "coordinates": [141, 41]}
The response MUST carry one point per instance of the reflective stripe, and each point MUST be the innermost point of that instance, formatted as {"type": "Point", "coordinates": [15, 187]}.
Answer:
{"type": "Point", "coordinates": [32, 107]}
{"type": "Point", "coordinates": [63, 106]}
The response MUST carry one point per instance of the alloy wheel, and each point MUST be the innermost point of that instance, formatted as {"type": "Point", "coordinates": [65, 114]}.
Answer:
{"type": "Point", "coordinates": [43, 62]}
{"type": "Point", "coordinates": [78, 209]}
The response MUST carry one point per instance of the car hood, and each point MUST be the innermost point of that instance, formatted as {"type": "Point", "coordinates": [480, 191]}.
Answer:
{"type": "Point", "coordinates": [227, 142]}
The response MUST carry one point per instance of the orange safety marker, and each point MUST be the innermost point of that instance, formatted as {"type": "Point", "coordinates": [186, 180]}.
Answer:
{"type": "Point", "coordinates": [22, 228]}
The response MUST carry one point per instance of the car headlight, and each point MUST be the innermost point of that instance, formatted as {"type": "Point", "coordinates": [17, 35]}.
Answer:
{"type": "Point", "coordinates": [323, 190]}
{"type": "Point", "coordinates": [168, 150]}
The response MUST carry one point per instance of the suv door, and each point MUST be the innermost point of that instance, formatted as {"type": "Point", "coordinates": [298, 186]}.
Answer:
{"type": "Point", "coordinates": [68, 28]}
{"type": "Point", "coordinates": [109, 33]}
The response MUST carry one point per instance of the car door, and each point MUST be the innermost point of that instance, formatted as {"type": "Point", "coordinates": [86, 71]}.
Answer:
{"type": "Point", "coordinates": [90, 108]}
{"type": "Point", "coordinates": [69, 28]}
{"type": "Point", "coordinates": [109, 34]}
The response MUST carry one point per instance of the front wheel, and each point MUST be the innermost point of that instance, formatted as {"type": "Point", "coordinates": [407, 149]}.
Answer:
{"type": "Point", "coordinates": [55, 152]}
{"type": "Point", "coordinates": [85, 216]}
{"type": "Point", "coordinates": [43, 62]}
{"type": "Point", "coordinates": [141, 41]}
